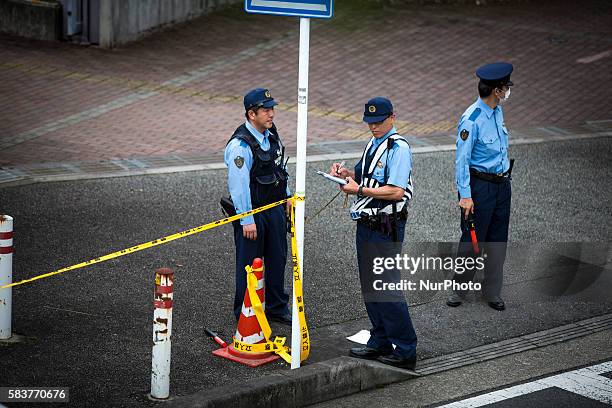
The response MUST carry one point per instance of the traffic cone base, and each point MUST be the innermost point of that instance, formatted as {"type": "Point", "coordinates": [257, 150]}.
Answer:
{"type": "Point", "coordinates": [249, 359]}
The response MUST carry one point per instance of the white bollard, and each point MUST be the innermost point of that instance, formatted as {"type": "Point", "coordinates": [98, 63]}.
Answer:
{"type": "Point", "coordinates": [6, 275]}
{"type": "Point", "coordinates": [162, 333]}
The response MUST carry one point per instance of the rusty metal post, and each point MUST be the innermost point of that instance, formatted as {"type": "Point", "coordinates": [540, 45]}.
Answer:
{"type": "Point", "coordinates": [6, 275]}
{"type": "Point", "coordinates": [162, 333]}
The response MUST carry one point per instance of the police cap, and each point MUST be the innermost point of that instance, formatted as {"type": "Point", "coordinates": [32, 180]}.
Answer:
{"type": "Point", "coordinates": [257, 98]}
{"type": "Point", "coordinates": [377, 109]}
{"type": "Point", "coordinates": [496, 74]}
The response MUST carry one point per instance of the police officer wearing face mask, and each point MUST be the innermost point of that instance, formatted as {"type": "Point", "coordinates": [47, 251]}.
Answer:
{"type": "Point", "coordinates": [257, 176]}
{"type": "Point", "coordinates": [482, 172]}
{"type": "Point", "coordinates": [382, 183]}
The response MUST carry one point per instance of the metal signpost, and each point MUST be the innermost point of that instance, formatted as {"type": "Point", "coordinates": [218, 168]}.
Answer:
{"type": "Point", "coordinates": [305, 9]}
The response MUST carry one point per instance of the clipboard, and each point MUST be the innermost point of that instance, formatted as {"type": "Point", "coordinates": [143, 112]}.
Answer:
{"type": "Point", "coordinates": [332, 178]}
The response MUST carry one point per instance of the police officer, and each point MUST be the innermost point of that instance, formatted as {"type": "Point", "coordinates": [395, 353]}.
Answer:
{"type": "Point", "coordinates": [257, 176]}
{"type": "Point", "coordinates": [482, 172]}
{"type": "Point", "coordinates": [382, 183]}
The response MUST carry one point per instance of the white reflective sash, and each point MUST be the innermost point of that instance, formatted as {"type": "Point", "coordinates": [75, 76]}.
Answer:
{"type": "Point", "coordinates": [360, 205]}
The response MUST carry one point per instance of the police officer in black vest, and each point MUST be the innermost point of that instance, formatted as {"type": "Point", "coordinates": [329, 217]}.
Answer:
{"type": "Point", "coordinates": [257, 176]}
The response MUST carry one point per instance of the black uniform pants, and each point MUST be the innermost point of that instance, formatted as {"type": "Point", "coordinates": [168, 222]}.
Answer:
{"type": "Point", "coordinates": [271, 245]}
{"type": "Point", "coordinates": [491, 219]}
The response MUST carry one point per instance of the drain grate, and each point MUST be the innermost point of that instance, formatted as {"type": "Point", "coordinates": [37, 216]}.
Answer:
{"type": "Point", "coordinates": [516, 345]}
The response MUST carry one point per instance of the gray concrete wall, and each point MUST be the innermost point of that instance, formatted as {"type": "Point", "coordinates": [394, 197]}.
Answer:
{"type": "Point", "coordinates": [126, 20]}
{"type": "Point", "coordinates": [40, 20]}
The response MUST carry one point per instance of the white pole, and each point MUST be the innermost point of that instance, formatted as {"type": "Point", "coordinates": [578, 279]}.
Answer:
{"type": "Point", "coordinates": [6, 275]}
{"type": "Point", "coordinates": [162, 333]}
{"type": "Point", "coordinates": [300, 175]}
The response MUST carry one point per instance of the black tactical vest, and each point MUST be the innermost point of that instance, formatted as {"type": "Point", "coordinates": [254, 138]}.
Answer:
{"type": "Point", "coordinates": [268, 175]}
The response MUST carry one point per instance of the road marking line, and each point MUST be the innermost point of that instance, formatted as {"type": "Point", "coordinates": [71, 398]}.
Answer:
{"type": "Point", "coordinates": [599, 368]}
{"type": "Point", "coordinates": [585, 382]}
{"type": "Point", "coordinates": [593, 58]}
{"type": "Point", "coordinates": [497, 396]}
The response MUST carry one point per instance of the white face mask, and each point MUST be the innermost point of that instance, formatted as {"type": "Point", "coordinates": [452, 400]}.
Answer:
{"type": "Point", "coordinates": [506, 96]}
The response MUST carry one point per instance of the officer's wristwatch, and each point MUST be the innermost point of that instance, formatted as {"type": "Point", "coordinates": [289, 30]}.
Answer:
{"type": "Point", "coordinates": [360, 191]}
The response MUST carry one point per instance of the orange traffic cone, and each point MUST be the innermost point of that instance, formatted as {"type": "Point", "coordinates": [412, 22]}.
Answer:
{"type": "Point", "coordinates": [249, 331]}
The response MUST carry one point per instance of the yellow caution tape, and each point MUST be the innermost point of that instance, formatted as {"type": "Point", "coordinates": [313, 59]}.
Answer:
{"type": "Point", "coordinates": [278, 345]}
{"type": "Point", "coordinates": [157, 242]}
{"type": "Point", "coordinates": [298, 292]}
{"type": "Point", "coordinates": [267, 347]}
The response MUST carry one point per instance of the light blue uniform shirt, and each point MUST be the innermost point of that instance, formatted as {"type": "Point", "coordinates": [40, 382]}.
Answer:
{"type": "Point", "coordinates": [485, 147]}
{"type": "Point", "coordinates": [398, 161]}
{"type": "Point", "coordinates": [239, 178]}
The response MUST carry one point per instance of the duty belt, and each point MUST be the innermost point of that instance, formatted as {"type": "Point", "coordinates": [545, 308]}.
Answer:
{"type": "Point", "coordinates": [492, 177]}
{"type": "Point", "coordinates": [381, 222]}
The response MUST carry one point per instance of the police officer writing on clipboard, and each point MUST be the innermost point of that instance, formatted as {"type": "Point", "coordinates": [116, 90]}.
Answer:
{"type": "Point", "coordinates": [382, 183]}
{"type": "Point", "coordinates": [482, 173]}
{"type": "Point", "coordinates": [257, 176]}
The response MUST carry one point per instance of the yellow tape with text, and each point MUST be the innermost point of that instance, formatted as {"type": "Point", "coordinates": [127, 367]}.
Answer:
{"type": "Point", "coordinates": [157, 242]}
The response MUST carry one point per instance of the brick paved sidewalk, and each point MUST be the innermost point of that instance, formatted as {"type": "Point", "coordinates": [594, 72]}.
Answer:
{"type": "Point", "coordinates": [179, 91]}
{"type": "Point", "coordinates": [332, 150]}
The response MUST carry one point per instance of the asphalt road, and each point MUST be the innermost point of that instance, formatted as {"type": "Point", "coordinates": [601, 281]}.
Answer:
{"type": "Point", "coordinates": [548, 377]}
{"type": "Point", "coordinates": [90, 329]}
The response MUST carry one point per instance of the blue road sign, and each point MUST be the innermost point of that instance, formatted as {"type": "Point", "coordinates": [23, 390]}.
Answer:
{"type": "Point", "coordinates": [295, 8]}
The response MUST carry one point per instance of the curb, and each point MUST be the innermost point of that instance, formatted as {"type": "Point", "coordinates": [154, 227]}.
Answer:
{"type": "Point", "coordinates": [310, 384]}
{"type": "Point", "coordinates": [174, 163]}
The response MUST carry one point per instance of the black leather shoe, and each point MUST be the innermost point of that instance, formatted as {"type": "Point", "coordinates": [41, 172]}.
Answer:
{"type": "Point", "coordinates": [282, 319]}
{"type": "Point", "coordinates": [368, 353]}
{"type": "Point", "coordinates": [498, 305]}
{"type": "Point", "coordinates": [400, 362]}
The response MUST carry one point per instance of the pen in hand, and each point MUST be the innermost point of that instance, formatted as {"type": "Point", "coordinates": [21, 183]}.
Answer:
{"type": "Point", "coordinates": [341, 165]}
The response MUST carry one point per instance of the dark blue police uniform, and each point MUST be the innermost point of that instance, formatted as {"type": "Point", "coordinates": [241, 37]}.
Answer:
{"type": "Point", "coordinates": [256, 177]}
{"type": "Point", "coordinates": [482, 172]}
{"type": "Point", "coordinates": [380, 232]}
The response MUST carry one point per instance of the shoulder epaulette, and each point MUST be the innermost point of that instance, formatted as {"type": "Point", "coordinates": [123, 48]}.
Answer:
{"type": "Point", "coordinates": [474, 114]}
